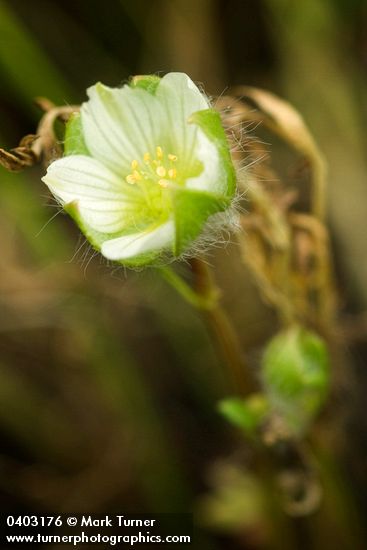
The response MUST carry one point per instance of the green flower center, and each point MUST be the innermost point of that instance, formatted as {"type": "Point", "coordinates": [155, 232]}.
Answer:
{"type": "Point", "coordinates": [153, 176]}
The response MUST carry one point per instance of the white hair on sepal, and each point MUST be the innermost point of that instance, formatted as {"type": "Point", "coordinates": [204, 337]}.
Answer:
{"type": "Point", "coordinates": [216, 233]}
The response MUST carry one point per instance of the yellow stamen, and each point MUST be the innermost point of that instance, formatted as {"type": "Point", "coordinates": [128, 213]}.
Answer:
{"type": "Point", "coordinates": [156, 166]}
{"type": "Point", "coordinates": [161, 171]}
{"type": "Point", "coordinates": [163, 183]}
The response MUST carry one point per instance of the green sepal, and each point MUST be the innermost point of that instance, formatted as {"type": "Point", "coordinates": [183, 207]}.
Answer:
{"type": "Point", "coordinates": [74, 143]}
{"type": "Point", "coordinates": [247, 414]}
{"type": "Point", "coordinates": [94, 237]}
{"type": "Point", "coordinates": [146, 82]}
{"type": "Point", "coordinates": [191, 211]}
{"type": "Point", "coordinates": [295, 372]}
{"type": "Point", "coordinates": [148, 259]}
{"type": "Point", "coordinates": [210, 123]}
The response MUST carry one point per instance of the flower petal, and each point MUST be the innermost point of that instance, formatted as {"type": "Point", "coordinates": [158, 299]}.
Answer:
{"type": "Point", "coordinates": [136, 244]}
{"type": "Point", "coordinates": [104, 201]}
{"type": "Point", "coordinates": [218, 176]}
{"type": "Point", "coordinates": [180, 98]}
{"type": "Point", "coordinates": [121, 124]}
{"type": "Point", "coordinates": [211, 178]}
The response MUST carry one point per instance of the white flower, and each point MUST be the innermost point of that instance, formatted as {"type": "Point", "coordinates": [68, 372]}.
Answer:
{"type": "Point", "coordinates": [146, 165]}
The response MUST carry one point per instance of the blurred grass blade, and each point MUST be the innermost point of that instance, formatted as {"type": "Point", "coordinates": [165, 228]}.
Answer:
{"type": "Point", "coordinates": [26, 209]}
{"type": "Point", "coordinates": [126, 392]}
{"type": "Point", "coordinates": [33, 419]}
{"type": "Point", "coordinates": [23, 64]}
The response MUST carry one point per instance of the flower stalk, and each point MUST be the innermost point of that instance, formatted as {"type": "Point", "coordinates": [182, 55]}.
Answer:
{"type": "Point", "coordinates": [222, 329]}
{"type": "Point", "coordinates": [205, 296]}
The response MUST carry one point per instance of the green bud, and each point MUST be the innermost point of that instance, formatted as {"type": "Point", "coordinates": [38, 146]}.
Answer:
{"type": "Point", "coordinates": [295, 372]}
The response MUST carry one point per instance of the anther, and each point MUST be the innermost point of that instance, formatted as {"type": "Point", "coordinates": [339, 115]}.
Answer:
{"type": "Point", "coordinates": [130, 179]}
{"type": "Point", "coordinates": [161, 171]}
{"type": "Point", "coordinates": [146, 157]}
{"type": "Point", "coordinates": [137, 175]}
{"type": "Point", "coordinates": [172, 158]}
{"type": "Point", "coordinates": [163, 183]}
{"type": "Point", "coordinates": [134, 164]}
{"type": "Point", "coordinates": [159, 152]}
{"type": "Point", "coordinates": [172, 173]}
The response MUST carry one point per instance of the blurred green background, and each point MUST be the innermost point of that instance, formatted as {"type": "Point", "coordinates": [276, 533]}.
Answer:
{"type": "Point", "coordinates": [108, 381]}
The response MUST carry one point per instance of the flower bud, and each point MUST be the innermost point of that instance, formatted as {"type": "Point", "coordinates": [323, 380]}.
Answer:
{"type": "Point", "coordinates": [295, 372]}
{"type": "Point", "coordinates": [247, 414]}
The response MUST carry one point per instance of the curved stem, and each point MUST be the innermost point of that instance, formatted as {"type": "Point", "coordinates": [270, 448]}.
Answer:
{"type": "Point", "coordinates": [222, 328]}
{"type": "Point", "coordinates": [205, 296]}
{"type": "Point", "coordinates": [191, 296]}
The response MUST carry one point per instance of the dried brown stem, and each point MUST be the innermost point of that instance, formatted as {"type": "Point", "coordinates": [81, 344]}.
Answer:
{"type": "Point", "coordinates": [41, 146]}
{"type": "Point", "coordinates": [222, 329]}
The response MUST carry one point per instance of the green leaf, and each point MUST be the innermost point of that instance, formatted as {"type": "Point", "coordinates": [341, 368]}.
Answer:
{"type": "Point", "coordinates": [247, 414]}
{"type": "Point", "coordinates": [74, 143]}
{"type": "Point", "coordinates": [210, 123]}
{"type": "Point", "coordinates": [191, 211]}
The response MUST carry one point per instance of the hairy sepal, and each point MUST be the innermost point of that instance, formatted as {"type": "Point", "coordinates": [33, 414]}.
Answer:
{"type": "Point", "coordinates": [191, 211]}
{"type": "Point", "coordinates": [210, 123]}
{"type": "Point", "coordinates": [74, 143]}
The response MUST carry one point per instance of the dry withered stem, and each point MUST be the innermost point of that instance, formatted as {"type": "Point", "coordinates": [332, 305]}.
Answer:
{"type": "Point", "coordinates": [281, 118]}
{"type": "Point", "coordinates": [222, 329]}
{"type": "Point", "coordinates": [42, 146]}
{"type": "Point", "coordinates": [285, 246]}
{"type": "Point", "coordinates": [20, 157]}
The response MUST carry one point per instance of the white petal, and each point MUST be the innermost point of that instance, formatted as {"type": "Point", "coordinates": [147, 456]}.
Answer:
{"type": "Point", "coordinates": [101, 195]}
{"type": "Point", "coordinates": [213, 177]}
{"type": "Point", "coordinates": [183, 92]}
{"type": "Point", "coordinates": [180, 98]}
{"type": "Point", "coordinates": [139, 243]}
{"type": "Point", "coordinates": [121, 124]}
{"type": "Point", "coordinates": [105, 217]}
